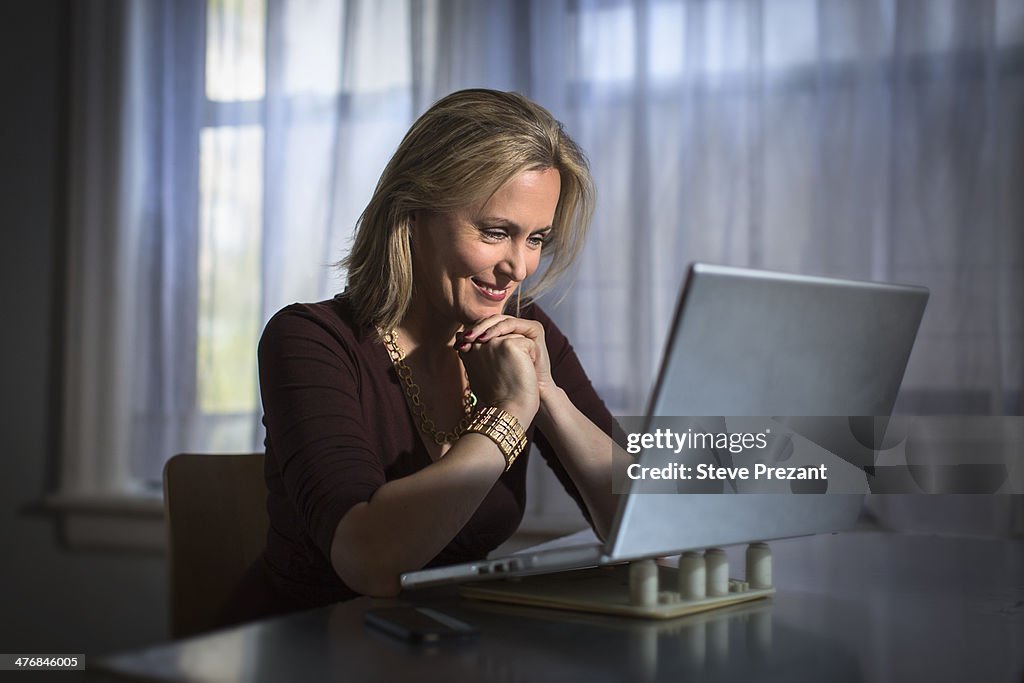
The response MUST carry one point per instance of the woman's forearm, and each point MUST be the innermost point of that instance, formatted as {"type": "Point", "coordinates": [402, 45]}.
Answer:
{"type": "Point", "coordinates": [586, 453]}
{"type": "Point", "coordinates": [408, 521]}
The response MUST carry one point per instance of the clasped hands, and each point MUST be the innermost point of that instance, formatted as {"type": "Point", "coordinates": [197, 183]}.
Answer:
{"type": "Point", "coordinates": [506, 359]}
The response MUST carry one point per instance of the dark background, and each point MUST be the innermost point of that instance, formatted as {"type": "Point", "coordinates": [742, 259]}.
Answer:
{"type": "Point", "coordinates": [52, 600]}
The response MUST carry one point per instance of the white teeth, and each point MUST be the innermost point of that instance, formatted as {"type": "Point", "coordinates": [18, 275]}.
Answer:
{"type": "Point", "coordinates": [495, 292]}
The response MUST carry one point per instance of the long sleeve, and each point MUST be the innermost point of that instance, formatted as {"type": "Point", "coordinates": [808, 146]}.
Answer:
{"type": "Point", "coordinates": [568, 373]}
{"type": "Point", "coordinates": [310, 384]}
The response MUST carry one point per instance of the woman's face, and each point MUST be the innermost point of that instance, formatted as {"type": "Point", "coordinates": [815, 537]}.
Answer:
{"type": "Point", "coordinates": [468, 263]}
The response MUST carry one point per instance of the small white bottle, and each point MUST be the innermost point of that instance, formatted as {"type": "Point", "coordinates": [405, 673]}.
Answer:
{"type": "Point", "coordinates": [717, 567]}
{"type": "Point", "coordinates": [643, 583]}
{"type": "Point", "coordinates": [759, 566]}
{"type": "Point", "coordinates": [692, 576]}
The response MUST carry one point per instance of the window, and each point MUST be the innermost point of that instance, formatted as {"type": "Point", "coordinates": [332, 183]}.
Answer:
{"type": "Point", "coordinates": [296, 98]}
{"type": "Point", "coordinates": [230, 181]}
{"type": "Point", "coordinates": [223, 151]}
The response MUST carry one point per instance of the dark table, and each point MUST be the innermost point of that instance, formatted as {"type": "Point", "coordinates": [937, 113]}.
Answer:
{"type": "Point", "coordinates": [859, 606]}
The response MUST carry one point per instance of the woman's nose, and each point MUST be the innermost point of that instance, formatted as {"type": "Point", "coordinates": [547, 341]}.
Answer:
{"type": "Point", "coordinates": [514, 262]}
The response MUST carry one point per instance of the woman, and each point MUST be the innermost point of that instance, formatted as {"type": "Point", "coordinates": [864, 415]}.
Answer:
{"type": "Point", "coordinates": [395, 412]}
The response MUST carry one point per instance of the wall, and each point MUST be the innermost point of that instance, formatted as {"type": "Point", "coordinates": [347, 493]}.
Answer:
{"type": "Point", "coordinates": [53, 601]}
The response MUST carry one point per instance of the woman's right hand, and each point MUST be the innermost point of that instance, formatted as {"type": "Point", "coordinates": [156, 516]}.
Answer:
{"type": "Point", "coordinates": [502, 374]}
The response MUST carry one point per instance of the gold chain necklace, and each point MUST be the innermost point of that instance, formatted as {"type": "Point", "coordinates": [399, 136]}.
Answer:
{"type": "Point", "coordinates": [412, 392]}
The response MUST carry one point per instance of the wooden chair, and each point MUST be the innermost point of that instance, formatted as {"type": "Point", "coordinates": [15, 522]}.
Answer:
{"type": "Point", "coordinates": [215, 507]}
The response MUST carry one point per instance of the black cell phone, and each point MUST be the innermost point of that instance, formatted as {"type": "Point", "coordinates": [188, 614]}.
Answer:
{"type": "Point", "coordinates": [419, 624]}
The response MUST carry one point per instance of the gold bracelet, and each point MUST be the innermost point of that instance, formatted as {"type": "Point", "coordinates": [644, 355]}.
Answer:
{"type": "Point", "coordinates": [501, 427]}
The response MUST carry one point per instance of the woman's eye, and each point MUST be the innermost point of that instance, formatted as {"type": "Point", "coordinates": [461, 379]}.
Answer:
{"type": "Point", "coordinates": [538, 240]}
{"type": "Point", "coordinates": [494, 234]}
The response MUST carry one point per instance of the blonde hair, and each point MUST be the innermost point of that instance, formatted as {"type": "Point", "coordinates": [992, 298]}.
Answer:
{"type": "Point", "coordinates": [458, 153]}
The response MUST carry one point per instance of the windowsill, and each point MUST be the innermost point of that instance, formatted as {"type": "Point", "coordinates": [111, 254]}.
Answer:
{"type": "Point", "coordinates": [117, 522]}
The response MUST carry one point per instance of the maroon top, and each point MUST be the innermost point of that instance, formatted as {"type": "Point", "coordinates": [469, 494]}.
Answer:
{"type": "Point", "coordinates": [338, 427]}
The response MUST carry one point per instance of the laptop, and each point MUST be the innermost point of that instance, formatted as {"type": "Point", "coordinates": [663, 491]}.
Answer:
{"type": "Point", "coordinates": [745, 342]}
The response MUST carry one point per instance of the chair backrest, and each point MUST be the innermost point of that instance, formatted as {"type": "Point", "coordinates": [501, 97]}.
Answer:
{"type": "Point", "coordinates": [215, 508]}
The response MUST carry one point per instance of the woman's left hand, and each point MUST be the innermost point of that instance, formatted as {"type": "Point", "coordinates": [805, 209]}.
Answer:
{"type": "Point", "coordinates": [500, 325]}
{"type": "Point", "coordinates": [584, 450]}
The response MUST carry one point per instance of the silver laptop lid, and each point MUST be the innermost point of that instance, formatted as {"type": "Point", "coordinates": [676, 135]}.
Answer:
{"type": "Point", "coordinates": [759, 343]}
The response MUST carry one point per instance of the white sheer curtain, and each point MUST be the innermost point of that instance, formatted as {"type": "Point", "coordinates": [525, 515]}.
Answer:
{"type": "Point", "coordinates": [223, 150]}
{"type": "Point", "coordinates": [860, 139]}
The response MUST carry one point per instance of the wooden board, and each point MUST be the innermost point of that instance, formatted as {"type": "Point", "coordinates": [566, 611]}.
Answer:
{"type": "Point", "coordinates": [604, 590]}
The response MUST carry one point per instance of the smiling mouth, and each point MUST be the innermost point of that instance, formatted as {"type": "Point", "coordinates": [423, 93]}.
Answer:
{"type": "Point", "coordinates": [490, 293]}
